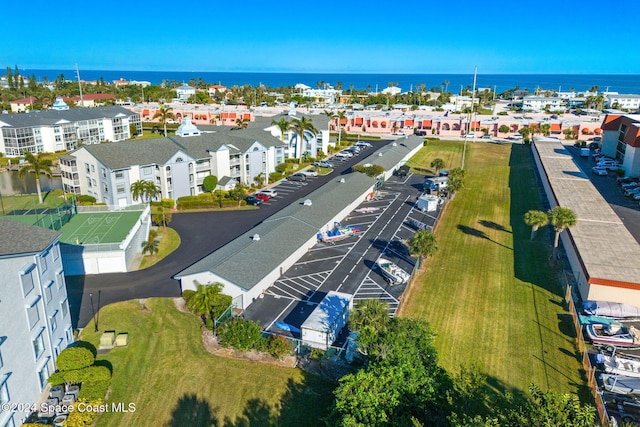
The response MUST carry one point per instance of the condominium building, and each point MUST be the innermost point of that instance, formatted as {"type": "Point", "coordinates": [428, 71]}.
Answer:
{"type": "Point", "coordinates": [63, 130]}
{"type": "Point", "coordinates": [542, 103]}
{"type": "Point", "coordinates": [628, 102]}
{"type": "Point", "coordinates": [35, 323]}
{"type": "Point", "coordinates": [621, 141]}
{"type": "Point", "coordinates": [176, 164]}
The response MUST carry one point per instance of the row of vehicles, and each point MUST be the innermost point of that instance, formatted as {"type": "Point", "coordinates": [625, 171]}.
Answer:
{"type": "Point", "coordinates": [352, 151]}
{"type": "Point", "coordinates": [603, 164]}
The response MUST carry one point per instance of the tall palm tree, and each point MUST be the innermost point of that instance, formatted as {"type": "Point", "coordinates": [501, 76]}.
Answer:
{"type": "Point", "coordinates": [144, 190]}
{"type": "Point", "coordinates": [437, 164]}
{"type": "Point", "coordinates": [36, 164]}
{"type": "Point", "coordinates": [204, 301]}
{"type": "Point", "coordinates": [283, 125]}
{"type": "Point", "coordinates": [535, 219]}
{"type": "Point", "coordinates": [423, 243]}
{"type": "Point", "coordinates": [561, 219]}
{"type": "Point", "coordinates": [150, 246]}
{"type": "Point", "coordinates": [165, 113]}
{"type": "Point", "coordinates": [370, 318]}
{"type": "Point", "coordinates": [242, 123]}
{"type": "Point", "coordinates": [300, 126]}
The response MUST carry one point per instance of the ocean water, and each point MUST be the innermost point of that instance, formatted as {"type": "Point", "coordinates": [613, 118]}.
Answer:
{"type": "Point", "coordinates": [621, 83]}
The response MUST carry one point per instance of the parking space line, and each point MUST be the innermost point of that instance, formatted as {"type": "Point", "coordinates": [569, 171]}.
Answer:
{"type": "Point", "coordinates": [329, 247]}
{"type": "Point", "coordinates": [319, 260]}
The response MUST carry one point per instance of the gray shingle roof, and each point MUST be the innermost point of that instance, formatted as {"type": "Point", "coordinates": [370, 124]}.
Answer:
{"type": "Point", "coordinates": [120, 155]}
{"type": "Point", "coordinates": [246, 262]}
{"type": "Point", "coordinates": [51, 117]}
{"type": "Point", "coordinates": [18, 238]}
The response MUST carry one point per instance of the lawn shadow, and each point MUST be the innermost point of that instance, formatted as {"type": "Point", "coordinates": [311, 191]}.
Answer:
{"type": "Point", "coordinates": [190, 410]}
{"type": "Point", "coordinates": [478, 233]}
{"type": "Point", "coordinates": [493, 225]}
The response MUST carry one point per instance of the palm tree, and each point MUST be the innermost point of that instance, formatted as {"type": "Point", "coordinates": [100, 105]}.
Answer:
{"type": "Point", "coordinates": [165, 113]}
{"type": "Point", "coordinates": [535, 219]}
{"type": "Point", "coordinates": [423, 243]}
{"type": "Point", "coordinates": [203, 302]}
{"type": "Point", "coordinates": [561, 219]}
{"type": "Point", "coordinates": [283, 125]}
{"type": "Point", "coordinates": [300, 126]}
{"type": "Point", "coordinates": [144, 190]}
{"type": "Point", "coordinates": [438, 164]}
{"type": "Point", "coordinates": [545, 129]}
{"type": "Point", "coordinates": [370, 318]}
{"type": "Point", "coordinates": [150, 246]}
{"type": "Point", "coordinates": [242, 123]}
{"type": "Point", "coordinates": [36, 164]}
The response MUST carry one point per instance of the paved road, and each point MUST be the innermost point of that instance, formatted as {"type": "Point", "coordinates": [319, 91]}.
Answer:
{"type": "Point", "coordinates": [201, 233]}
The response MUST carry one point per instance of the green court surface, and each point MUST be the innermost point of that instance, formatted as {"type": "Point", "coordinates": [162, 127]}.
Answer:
{"type": "Point", "coordinates": [103, 227]}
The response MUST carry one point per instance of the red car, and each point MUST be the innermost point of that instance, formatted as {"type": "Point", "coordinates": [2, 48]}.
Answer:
{"type": "Point", "coordinates": [262, 196]}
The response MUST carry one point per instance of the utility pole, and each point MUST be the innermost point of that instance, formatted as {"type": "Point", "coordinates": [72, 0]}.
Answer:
{"type": "Point", "coordinates": [79, 85]}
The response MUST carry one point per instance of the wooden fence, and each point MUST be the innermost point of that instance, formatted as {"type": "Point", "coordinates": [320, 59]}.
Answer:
{"type": "Point", "coordinates": [589, 369]}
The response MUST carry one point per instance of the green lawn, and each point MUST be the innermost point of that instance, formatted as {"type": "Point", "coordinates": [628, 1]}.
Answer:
{"type": "Point", "coordinates": [449, 151]}
{"type": "Point", "coordinates": [169, 242]}
{"type": "Point", "coordinates": [489, 292]}
{"type": "Point", "coordinates": [173, 381]}
{"type": "Point", "coordinates": [19, 204]}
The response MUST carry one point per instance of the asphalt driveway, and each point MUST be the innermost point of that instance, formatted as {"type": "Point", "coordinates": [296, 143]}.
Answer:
{"type": "Point", "coordinates": [201, 233]}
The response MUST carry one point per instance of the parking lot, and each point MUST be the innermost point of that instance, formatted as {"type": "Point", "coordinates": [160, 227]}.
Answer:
{"type": "Point", "coordinates": [626, 208]}
{"type": "Point", "coordinates": [349, 265]}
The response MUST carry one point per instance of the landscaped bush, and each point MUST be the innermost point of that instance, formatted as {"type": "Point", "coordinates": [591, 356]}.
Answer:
{"type": "Point", "coordinates": [165, 203]}
{"type": "Point", "coordinates": [275, 176]}
{"type": "Point", "coordinates": [75, 358]}
{"type": "Point", "coordinates": [241, 334]}
{"type": "Point", "coordinates": [187, 294]}
{"type": "Point", "coordinates": [278, 346]}
{"type": "Point", "coordinates": [84, 418]}
{"type": "Point", "coordinates": [86, 199]}
{"type": "Point", "coordinates": [91, 390]}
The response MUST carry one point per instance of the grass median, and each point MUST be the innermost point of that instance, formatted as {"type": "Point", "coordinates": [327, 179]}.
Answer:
{"type": "Point", "coordinates": [490, 292]}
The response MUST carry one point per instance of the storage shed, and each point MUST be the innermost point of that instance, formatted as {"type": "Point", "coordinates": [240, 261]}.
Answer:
{"type": "Point", "coordinates": [326, 321]}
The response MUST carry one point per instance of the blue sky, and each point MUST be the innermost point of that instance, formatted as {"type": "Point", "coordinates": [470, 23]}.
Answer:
{"type": "Point", "coordinates": [411, 36]}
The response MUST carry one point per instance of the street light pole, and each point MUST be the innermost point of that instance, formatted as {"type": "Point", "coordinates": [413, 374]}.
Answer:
{"type": "Point", "coordinates": [93, 311]}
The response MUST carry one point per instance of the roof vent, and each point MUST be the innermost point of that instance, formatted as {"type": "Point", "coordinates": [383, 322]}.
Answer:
{"type": "Point", "coordinates": [394, 145]}
{"type": "Point", "coordinates": [379, 154]}
{"type": "Point", "coordinates": [342, 180]}
{"type": "Point", "coordinates": [307, 202]}
{"type": "Point", "coordinates": [255, 237]}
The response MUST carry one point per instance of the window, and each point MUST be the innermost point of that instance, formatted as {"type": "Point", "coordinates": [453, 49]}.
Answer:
{"type": "Point", "coordinates": [42, 262]}
{"type": "Point", "coordinates": [93, 181]}
{"type": "Point", "coordinates": [4, 390]}
{"type": "Point", "coordinates": [43, 375]}
{"type": "Point", "coordinates": [59, 279]}
{"type": "Point", "coordinates": [104, 172]}
{"type": "Point", "coordinates": [1, 362]}
{"type": "Point", "coordinates": [58, 348]}
{"type": "Point", "coordinates": [86, 167]}
{"type": "Point", "coordinates": [53, 321]}
{"type": "Point", "coordinates": [64, 306]}
{"type": "Point", "coordinates": [88, 182]}
{"type": "Point", "coordinates": [38, 344]}
{"type": "Point", "coordinates": [56, 252]}
{"type": "Point", "coordinates": [48, 292]}
{"type": "Point", "coordinates": [119, 175]}
{"type": "Point", "coordinates": [121, 188]}
{"type": "Point", "coordinates": [26, 278]}
{"type": "Point", "coordinates": [32, 313]}
{"type": "Point", "coordinates": [93, 168]}
{"type": "Point", "coordinates": [106, 188]}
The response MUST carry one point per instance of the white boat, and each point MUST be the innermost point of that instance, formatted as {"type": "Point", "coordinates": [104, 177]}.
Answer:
{"type": "Point", "coordinates": [620, 384]}
{"type": "Point", "coordinates": [394, 274]}
{"type": "Point", "coordinates": [337, 233]}
{"type": "Point", "coordinates": [615, 310]}
{"type": "Point", "coordinates": [618, 365]}
{"type": "Point", "coordinates": [613, 334]}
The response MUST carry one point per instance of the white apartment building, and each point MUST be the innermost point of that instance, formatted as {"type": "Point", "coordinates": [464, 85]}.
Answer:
{"type": "Point", "coordinates": [627, 102]}
{"type": "Point", "coordinates": [35, 323]}
{"type": "Point", "coordinates": [49, 131]}
{"type": "Point", "coordinates": [183, 92]}
{"type": "Point", "coordinates": [542, 103]}
{"type": "Point", "coordinates": [177, 164]}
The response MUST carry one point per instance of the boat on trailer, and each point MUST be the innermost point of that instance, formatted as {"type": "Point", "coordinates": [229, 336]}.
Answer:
{"type": "Point", "coordinates": [614, 334]}
{"type": "Point", "coordinates": [337, 233]}
{"type": "Point", "coordinates": [618, 365]}
{"type": "Point", "coordinates": [394, 274]}
{"type": "Point", "coordinates": [620, 384]}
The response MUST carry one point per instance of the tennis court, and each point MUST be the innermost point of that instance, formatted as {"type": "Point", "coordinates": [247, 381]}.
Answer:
{"type": "Point", "coordinates": [102, 227]}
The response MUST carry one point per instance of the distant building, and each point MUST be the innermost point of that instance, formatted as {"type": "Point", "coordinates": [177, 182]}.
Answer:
{"type": "Point", "coordinates": [621, 141]}
{"type": "Point", "coordinates": [34, 314]}
{"type": "Point", "coordinates": [626, 102]}
{"type": "Point", "coordinates": [50, 130]}
{"type": "Point", "coordinates": [184, 92]}
{"type": "Point", "coordinates": [22, 105]}
{"type": "Point", "coordinates": [93, 99]}
{"type": "Point", "coordinates": [59, 104]}
{"type": "Point", "coordinates": [542, 103]}
{"type": "Point", "coordinates": [391, 90]}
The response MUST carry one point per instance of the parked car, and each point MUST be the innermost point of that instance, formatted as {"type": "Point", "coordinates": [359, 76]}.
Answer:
{"type": "Point", "coordinates": [270, 191]}
{"type": "Point", "coordinates": [363, 144]}
{"type": "Point", "coordinates": [323, 164]}
{"type": "Point", "coordinates": [486, 137]}
{"type": "Point", "coordinates": [420, 133]}
{"type": "Point", "coordinates": [631, 191]}
{"type": "Point", "coordinates": [630, 185]}
{"type": "Point", "coordinates": [444, 172]}
{"type": "Point", "coordinates": [402, 171]}
{"type": "Point", "coordinates": [253, 200]}
{"type": "Point", "coordinates": [353, 150]}
{"type": "Point", "coordinates": [399, 133]}
{"type": "Point", "coordinates": [310, 172]}
{"type": "Point", "coordinates": [262, 196]}
{"type": "Point", "coordinates": [343, 155]}
{"type": "Point", "coordinates": [600, 170]}
{"type": "Point", "coordinates": [297, 177]}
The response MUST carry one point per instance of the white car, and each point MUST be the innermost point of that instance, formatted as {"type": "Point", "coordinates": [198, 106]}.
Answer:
{"type": "Point", "coordinates": [399, 133]}
{"type": "Point", "coordinates": [270, 192]}
{"type": "Point", "coordinates": [599, 170]}
{"type": "Point", "coordinates": [363, 144]}
{"type": "Point", "coordinates": [343, 155]}
{"type": "Point", "coordinates": [310, 172]}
